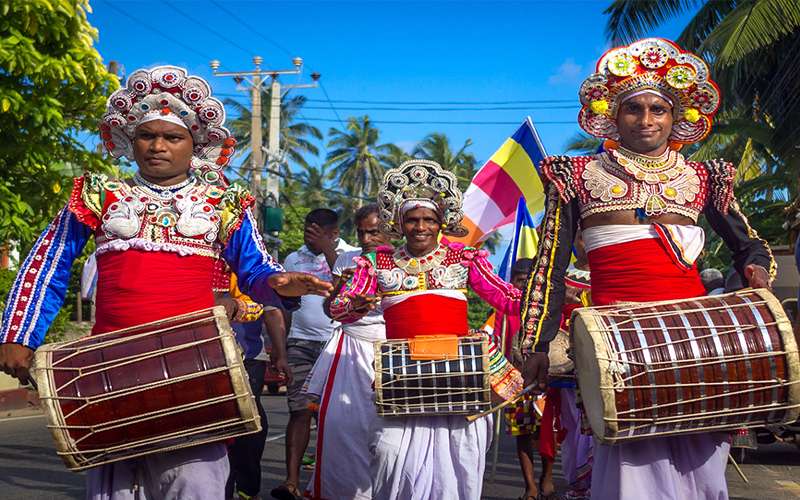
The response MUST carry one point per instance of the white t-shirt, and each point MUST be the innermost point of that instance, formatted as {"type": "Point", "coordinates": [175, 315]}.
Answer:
{"type": "Point", "coordinates": [371, 327]}
{"type": "Point", "coordinates": [310, 322]}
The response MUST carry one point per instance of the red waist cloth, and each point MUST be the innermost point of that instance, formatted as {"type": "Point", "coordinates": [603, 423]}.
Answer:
{"type": "Point", "coordinates": [426, 314]}
{"type": "Point", "coordinates": [135, 287]}
{"type": "Point", "coordinates": [640, 271]}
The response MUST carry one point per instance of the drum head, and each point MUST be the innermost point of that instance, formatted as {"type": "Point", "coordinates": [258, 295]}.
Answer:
{"type": "Point", "coordinates": [560, 364]}
{"type": "Point", "coordinates": [594, 380]}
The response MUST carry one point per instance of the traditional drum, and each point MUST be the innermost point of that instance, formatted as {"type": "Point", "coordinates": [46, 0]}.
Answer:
{"type": "Point", "coordinates": [686, 366]}
{"type": "Point", "coordinates": [155, 387]}
{"type": "Point", "coordinates": [458, 385]}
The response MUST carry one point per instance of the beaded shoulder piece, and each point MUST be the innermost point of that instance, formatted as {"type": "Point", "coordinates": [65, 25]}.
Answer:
{"type": "Point", "coordinates": [194, 218]}
{"type": "Point", "coordinates": [721, 177]}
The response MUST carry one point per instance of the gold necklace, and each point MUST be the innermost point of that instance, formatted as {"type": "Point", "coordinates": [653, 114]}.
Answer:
{"type": "Point", "coordinates": [650, 169]}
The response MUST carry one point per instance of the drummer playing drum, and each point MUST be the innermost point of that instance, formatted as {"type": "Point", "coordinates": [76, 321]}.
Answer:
{"type": "Point", "coordinates": [158, 236]}
{"type": "Point", "coordinates": [637, 204]}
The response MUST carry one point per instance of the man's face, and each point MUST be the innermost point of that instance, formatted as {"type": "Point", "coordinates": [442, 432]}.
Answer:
{"type": "Point", "coordinates": [369, 235]}
{"type": "Point", "coordinates": [519, 280]}
{"type": "Point", "coordinates": [421, 228]}
{"type": "Point", "coordinates": [644, 123]}
{"type": "Point", "coordinates": [163, 150]}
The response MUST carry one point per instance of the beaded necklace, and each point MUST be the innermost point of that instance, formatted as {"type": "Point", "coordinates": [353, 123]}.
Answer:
{"type": "Point", "coordinates": [422, 264]}
{"type": "Point", "coordinates": [650, 169]}
{"type": "Point", "coordinates": [162, 192]}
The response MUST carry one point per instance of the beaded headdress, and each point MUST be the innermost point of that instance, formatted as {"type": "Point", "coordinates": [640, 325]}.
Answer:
{"type": "Point", "coordinates": [169, 93]}
{"type": "Point", "coordinates": [422, 181]}
{"type": "Point", "coordinates": [650, 65]}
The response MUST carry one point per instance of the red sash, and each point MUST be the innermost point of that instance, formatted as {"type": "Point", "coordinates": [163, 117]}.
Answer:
{"type": "Point", "coordinates": [136, 286]}
{"type": "Point", "coordinates": [426, 314]}
{"type": "Point", "coordinates": [640, 271]}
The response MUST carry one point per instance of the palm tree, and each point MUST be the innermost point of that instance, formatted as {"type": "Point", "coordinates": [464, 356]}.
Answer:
{"type": "Point", "coordinates": [313, 192]}
{"type": "Point", "coordinates": [295, 137]}
{"type": "Point", "coordinates": [394, 156]}
{"type": "Point", "coordinates": [356, 157]}
{"type": "Point", "coordinates": [436, 147]}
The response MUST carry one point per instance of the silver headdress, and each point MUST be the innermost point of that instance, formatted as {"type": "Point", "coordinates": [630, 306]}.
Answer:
{"type": "Point", "coordinates": [426, 183]}
{"type": "Point", "coordinates": [169, 93]}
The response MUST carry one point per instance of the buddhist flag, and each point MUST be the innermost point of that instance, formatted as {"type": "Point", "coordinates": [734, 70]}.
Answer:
{"type": "Point", "coordinates": [523, 244]}
{"type": "Point", "coordinates": [490, 201]}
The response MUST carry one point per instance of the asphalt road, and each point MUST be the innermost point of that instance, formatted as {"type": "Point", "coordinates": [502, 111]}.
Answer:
{"type": "Point", "coordinates": [30, 469]}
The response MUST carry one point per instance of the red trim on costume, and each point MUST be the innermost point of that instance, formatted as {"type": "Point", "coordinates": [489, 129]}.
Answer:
{"type": "Point", "coordinates": [426, 314]}
{"type": "Point", "coordinates": [640, 271]}
{"type": "Point", "coordinates": [323, 409]}
{"type": "Point", "coordinates": [79, 208]}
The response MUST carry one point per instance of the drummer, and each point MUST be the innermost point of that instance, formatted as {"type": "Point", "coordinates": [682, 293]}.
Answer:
{"type": "Point", "coordinates": [157, 235]}
{"type": "Point", "coordinates": [638, 203]}
{"type": "Point", "coordinates": [422, 287]}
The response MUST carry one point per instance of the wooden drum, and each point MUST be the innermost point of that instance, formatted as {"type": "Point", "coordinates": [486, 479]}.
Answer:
{"type": "Point", "coordinates": [686, 366]}
{"type": "Point", "coordinates": [155, 387]}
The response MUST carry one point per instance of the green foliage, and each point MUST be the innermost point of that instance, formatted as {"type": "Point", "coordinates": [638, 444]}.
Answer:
{"type": "Point", "coordinates": [478, 310]}
{"type": "Point", "coordinates": [292, 234]}
{"type": "Point", "coordinates": [52, 85]}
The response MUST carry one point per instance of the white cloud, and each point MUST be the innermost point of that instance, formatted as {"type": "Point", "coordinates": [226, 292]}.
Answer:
{"type": "Point", "coordinates": [568, 72]}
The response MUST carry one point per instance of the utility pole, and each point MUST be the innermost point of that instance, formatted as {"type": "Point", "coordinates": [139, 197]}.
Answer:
{"type": "Point", "coordinates": [255, 80]}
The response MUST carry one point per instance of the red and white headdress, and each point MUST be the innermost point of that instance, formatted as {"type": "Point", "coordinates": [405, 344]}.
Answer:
{"type": "Point", "coordinates": [169, 93]}
{"type": "Point", "coordinates": [653, 65]}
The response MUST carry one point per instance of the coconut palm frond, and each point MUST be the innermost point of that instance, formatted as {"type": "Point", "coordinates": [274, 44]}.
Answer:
{"type": "Point", "coordinates": [583, 144]}
{"type": "Point", "coordinates": [628, 20]}
{"type": "Point", "coordinates": [703, 23]}
{"type": "Point", "coordinates": [753, 25]}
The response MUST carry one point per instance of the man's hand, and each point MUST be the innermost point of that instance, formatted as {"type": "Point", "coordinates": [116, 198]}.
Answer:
{"type": "Point", "coordinates": [230, 305]}
{"type": "Point", "coordinates": [534, 371]}
{"type": "Point", "coordinates": [291, 284]}
{"type": "Point", "coordinates": [15, 360]}
{"type": "Point", "coordinates": [756, 276]}
{"type": "Point", "coordinates": [364, 303]}
{"type": "Point", "coordinates": [282, 366]}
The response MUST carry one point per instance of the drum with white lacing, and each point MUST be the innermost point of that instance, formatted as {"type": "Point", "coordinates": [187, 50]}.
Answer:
{"type": "Point", "coordinates": [156, 387]}
{"type": "Point", "coordinates": [686, 366]}
{"type": "Point", "coordinates": [407, 384]}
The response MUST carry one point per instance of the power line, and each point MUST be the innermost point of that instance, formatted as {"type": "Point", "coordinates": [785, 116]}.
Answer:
{"type": "Point", "coordinates": [436, 122]}
{"type": "Point", "coordinates": [203, 26]}
{"type": "Point", "coordinates": [160, 33]}
{"type": "Point", "coordinates": [440, 103]}
{"type": "Point", "coordinates": [330, 103]}
{"type": "Point", "coordinates": [452, 103]}
{"type": "Point", "coordinates": [249, 27]}
{"type": "Point", "coordinates": [450, 109]}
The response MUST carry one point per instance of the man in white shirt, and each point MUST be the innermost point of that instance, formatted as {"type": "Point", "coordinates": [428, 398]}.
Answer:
{"type": "Point", "coordinates": [309, 331]}
{"type": "Point", "coordinates": [342, 379]}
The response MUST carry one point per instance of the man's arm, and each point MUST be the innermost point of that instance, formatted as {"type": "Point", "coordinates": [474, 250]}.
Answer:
{"type": "Point", "coordinates": [276, 329]}
{"type": "Point", "coordinates": [38, 291]}
{"type": "Point", "coordinates": [315, 234]}
{"type": "Point", "coordinates": [260, 276]}
{"type": "Point", "coordinates": [544, 292]}
{"type": "Point", "coordinates": [752, 256]}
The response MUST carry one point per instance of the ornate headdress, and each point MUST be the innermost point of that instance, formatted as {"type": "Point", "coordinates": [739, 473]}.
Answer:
{"type": "Point", "coordinates": [168, 93]}
{"type": "Point", "coordinates": [420, 183]}
{"type": "Point", "coordinates": [653, 65]}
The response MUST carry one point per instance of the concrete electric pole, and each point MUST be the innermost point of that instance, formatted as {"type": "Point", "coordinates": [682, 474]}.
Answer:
{"type": "Point", "coordinates": [255, 80]}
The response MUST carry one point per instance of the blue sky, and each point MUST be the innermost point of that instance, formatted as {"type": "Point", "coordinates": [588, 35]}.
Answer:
{"type": "Point", "coordinates": [439, 51]}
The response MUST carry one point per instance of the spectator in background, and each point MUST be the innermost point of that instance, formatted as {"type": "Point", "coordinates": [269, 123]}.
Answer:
{"type": "Point", "coordinates": [250, 321]}
{"type": "Point", "coordinates": [713, 281]}
{"type": "Point", "coordinates": [309, 331]}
